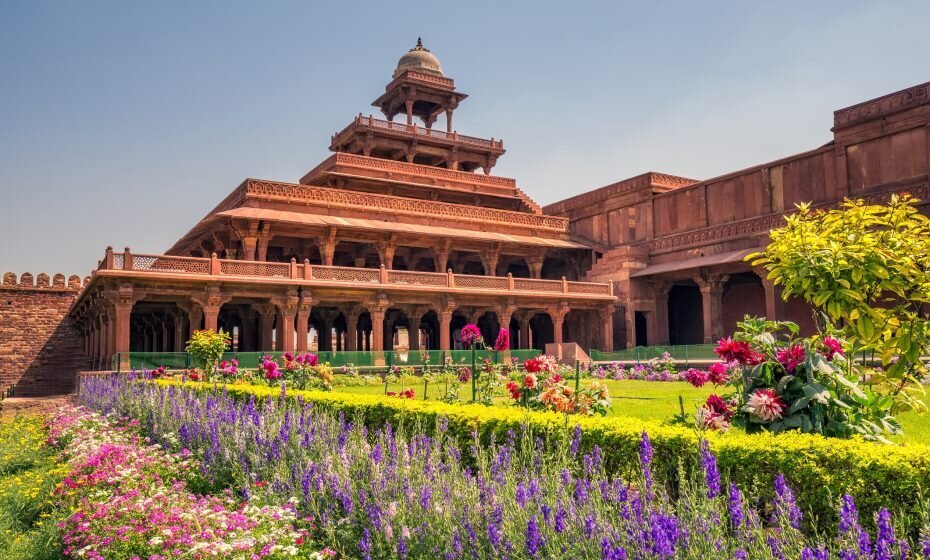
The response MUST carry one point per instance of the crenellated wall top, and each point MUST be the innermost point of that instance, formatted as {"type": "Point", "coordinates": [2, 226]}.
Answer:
{"type": "Point", "coordinates": [42, 281]}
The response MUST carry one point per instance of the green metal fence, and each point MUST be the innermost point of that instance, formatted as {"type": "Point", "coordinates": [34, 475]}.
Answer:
{"type": "Point", "coordinates": [686, 354]}
{"type": "Point", "coordinates": [126, 361]}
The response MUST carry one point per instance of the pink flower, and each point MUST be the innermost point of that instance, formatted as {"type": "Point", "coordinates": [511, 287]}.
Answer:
{"type": "Point", "coordinates": [696, 377]}
{"type": "Point", "coordinates": [765, 405]}
{"type": "Point", "coordinates": [832, 347]}
{"type": "Point", "coordinates": [308, 359]}
{"type": "Point", "coordinates": [717, 373]}
{"type": "Point", "coordinates": [502, 343]}
{"type": "Point", "coordinates": [470, 335]}
{"type": "Point", "coordinates": [288, 357]}
{"type": "Point", "coordinates": [271, 369]}
{"type": "Point", "coordinates": [464, 375]}
{"type": "Point", "coordinates": [529, 381]}
{"type": "Point", "coordinates": [790, 358]}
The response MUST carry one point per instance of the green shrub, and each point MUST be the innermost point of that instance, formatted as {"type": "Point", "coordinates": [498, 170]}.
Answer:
{"type": "Point", "coordinates": [821, 470]}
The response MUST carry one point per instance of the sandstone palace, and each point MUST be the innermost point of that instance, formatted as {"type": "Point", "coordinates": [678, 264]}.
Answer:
{"type": "Point", "coordinates": [403, 235]}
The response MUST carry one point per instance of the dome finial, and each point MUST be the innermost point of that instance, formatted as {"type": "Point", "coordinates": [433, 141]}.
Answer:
{"type": "Point", "coordinates": [419, 46]}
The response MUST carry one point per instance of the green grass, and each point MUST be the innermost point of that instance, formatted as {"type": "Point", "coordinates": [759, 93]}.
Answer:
{"type": "Point", "coordinates": [655, 401]}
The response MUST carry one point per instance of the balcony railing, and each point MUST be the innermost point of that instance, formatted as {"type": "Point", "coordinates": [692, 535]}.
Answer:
{"type": "Point", "coordinates": [342, 275]}
{"type": "Point", "coordinates": [412, 130]}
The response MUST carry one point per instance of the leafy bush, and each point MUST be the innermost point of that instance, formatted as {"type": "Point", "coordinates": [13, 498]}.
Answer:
{"type": "Point", "coordinates": [819, 468]}
{"type": "Point", "coordinates": [206, 349]}
{"type": "Point", "coordinates": [864, 266]}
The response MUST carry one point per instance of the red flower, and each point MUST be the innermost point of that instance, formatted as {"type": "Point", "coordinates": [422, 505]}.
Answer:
{"type": "Point", "coordinates": [696, 377]}
{"type": "Point", "coordinates": [717, 405]}
{"type": "Point", "coordinates": [260, 483]}
{"type": "Point", "coordinates": [717, 373]}
{"type": "Point", "coordinates": [514, 390]}
{"type": "Point", "coordinates": [529, 381]}
{"type": "Point", "coordinates": [532, 365]}
{"type": "Point", "coordinates": [731, 350]}
{"type": "Point", "coordinates": [790, 358]}
{"type": "Point", "coordinates": [271, 369]}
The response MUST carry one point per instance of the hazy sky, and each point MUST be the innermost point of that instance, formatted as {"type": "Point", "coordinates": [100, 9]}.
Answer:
{"type": "Point", "coordinates": [123, 123]}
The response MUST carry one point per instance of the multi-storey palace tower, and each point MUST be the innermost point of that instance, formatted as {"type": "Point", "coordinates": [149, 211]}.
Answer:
{"type": "Point", "coordinates": [399, 238]}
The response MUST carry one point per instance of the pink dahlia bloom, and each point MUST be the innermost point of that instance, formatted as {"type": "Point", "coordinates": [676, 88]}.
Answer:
{"type": "Point", "coordinates": [469, 335]}
{"type": "Point", "coordinates": [696, 377]}
{"type": "Point", "coordinates": [718, 373]}
{"type": "Point", "coordinates": [502, 343]}
{"type": "Point", "coordinates": [765, 405]}
{"type": "Point", "coordinates": [832, 347]}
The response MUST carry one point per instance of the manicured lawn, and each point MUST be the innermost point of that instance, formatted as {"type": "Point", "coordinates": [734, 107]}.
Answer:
{"type": "Point", "coordinates": [655, 401]}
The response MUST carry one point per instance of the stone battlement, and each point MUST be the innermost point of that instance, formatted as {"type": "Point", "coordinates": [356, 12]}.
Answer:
{"type": "Point", "coordinates": [42, 281]}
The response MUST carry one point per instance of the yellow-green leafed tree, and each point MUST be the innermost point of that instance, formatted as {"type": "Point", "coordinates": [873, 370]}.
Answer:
{"type": "Point", "coordinates": [866, 268]}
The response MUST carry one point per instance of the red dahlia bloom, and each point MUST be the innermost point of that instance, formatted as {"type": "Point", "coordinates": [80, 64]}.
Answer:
{"type": "Point", "coordinates": [532, 365]}
{"type": "Point", "coordinates": [790, 358]}
{"type": "Point", "coordinates": [731, 350]}
{"type": "Point", "coordinates": [696, 377]}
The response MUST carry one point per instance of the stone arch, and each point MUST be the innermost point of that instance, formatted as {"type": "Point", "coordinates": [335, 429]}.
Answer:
{"type": "Point", "coordinates": [685, 314]}
{"type": "Point", "coordinates": [542, 330]}
{"type": "Point", "coordinates": [517, 266]}
{"type": "Point", "coordinates": [554, 268]}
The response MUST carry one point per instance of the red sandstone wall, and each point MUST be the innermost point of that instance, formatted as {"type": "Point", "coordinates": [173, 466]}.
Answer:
{"type": "Point", "coordinates": [40, 348]}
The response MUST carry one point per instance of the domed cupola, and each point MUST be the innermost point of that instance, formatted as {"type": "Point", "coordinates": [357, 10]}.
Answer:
{"type": "Point", "coordinates": [419, 59]}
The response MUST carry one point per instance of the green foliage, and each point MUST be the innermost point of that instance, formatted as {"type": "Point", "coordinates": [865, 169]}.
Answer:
{"type": "Point", "coordinates": [865, 268]}
{"type": "Point", "coordinates": [818, 468]}
{"type": "Point", "coordinates": [206, 348]}
{"type": "Point", "coordinates": [29, 474]}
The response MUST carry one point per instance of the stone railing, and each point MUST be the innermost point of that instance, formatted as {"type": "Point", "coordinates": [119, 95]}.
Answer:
{"type": "Point", "coordinates": [411, 169]}
{"type": "Point", "coordinates": [330, 197]}
{"type": "Point", "coordinates": [215, 268]}
{"type": "Point", "coordinates": [413, 130]}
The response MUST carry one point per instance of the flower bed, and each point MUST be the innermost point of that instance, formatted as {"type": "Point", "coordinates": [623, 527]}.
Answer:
{"type": "Point", "coordinates": [130, 499]}
{"type": "Point", "coordinates": [412, 491]}
{"type": "Point", "coordinates": [816, 466]}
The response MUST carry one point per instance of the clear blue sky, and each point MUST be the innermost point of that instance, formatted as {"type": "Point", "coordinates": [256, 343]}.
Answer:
{"type": "Point", "coordinates": [124, 122]}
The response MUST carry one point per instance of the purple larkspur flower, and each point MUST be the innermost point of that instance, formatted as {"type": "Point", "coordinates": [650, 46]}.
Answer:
{"type": "Point", "coordinates": [560, 516]}
{"type": "Point", "coordinates": [576, 439]}
{"type": "Point", "coordinates": [735, 506]}
{"type": "Point", "coordinates": [885, 538]}
{"type": "Point", "coordinates": [711, 474]}
{"type": "Point", "coordinates": [533, 539]}
{"type": "Point", "coordinates": [645, 460]}
{"type": "Point", "coordinates": [785, 504]}
{"type": "Point", "coordinates": [364, 544]}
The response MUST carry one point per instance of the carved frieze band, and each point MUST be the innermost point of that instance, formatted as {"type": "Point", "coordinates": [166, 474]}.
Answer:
{"type": "Point", "coordinates": [370, 201]}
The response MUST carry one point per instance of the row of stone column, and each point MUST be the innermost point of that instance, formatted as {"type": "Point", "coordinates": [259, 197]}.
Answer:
{"type": "Point", "coordinates": [711, 288]}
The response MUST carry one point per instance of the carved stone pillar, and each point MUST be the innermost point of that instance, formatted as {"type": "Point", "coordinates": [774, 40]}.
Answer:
{"type": "Point", "coordinates": [558, 319]}
{"type": "Point", "coordinates": [413, 333]}
{"type": "Point", "coordinates": [607, 329]}
{"type": "Point", "coordinates": [267, 314]}
{"type": "Point", "coordinates": [326, 332]}
{"type": "Point", "coordinates": [386, 250]}
{"type": "Point", "coordinates": [441, 255]}
{"type": "Point", "coordinates": [377, 330]}
{"type": "Point", "coordinates": [328, 246]}
{"type": "Point", "coordinates": [535, 264]}
{"type": "Point", "coordinates": [489, 260]}
{"type": "Point", "coordinates": [352, 330]}
{"type": "Point", "coordinates": [526, 341]}
{"type": "Point", "coordinates": [287, 305]}
{"type": "Point", "coordinates": [195, 316]}
{"type": "Point", "coordinates": [445, 331]}
{"type": "Point", "coordinates": [712, 302]}
{"type": "Point", "coordinates": [303, 323]}
{"type": "Point", "coordinates": [774, 304]}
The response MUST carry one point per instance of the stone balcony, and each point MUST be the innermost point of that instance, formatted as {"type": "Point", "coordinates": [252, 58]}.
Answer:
{"type": "Point", "coordinates": [213, 269]}
{"type": "Point", "coordinates": [362, 125]}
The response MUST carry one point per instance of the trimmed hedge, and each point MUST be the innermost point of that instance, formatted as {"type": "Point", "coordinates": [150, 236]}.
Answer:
{"type": "Point", "coordinates": [819, 469]}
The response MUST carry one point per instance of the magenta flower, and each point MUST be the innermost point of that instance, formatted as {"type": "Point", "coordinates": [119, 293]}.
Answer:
{"type": "Point", "coordinates": [470, 335]}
